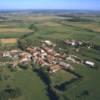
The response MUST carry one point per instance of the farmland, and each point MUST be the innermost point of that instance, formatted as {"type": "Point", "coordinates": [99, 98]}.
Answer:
{"type": "Point", "coordinates": [29, 30]}
{"type": "Point", "coordinates": [10, 29]}
{"type": "Point", "coordinates": [12, 40]}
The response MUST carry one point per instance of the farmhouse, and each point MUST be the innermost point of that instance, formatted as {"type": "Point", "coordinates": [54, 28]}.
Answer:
{"type": "Point", "coordinates": [70, 42]}
{"type": "Point", "coordinates": [49, 43]}
{"type": "Point", "coordinates": [73, 42]}
{"type": "Point", "coordinates": [54, 68]}
{"type": "Point", "coordinates": [90, 63]}
{"type": "Point", "coordinates": [7, 54]}
{"type": "Point", "coordinates": [49, 51]}
{"type": "Point", "coordinates": [74, 59]}
{"type": "Point", "coordinates": [24, 60]}
{"type": "Point", "coordinates": [66, 66]}
{"type": "Point", "coordinates": [30, 50]}
{"type": "Point", "coordinates": [14, 53]}
{"type": "Point", "coordinates": [24, 55]}
{"type": "Point", "coordinates": [70, 59]}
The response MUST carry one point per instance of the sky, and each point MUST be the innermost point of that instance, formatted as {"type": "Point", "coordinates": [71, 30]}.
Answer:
{"type": "Point", "coordinates": [50, 4]}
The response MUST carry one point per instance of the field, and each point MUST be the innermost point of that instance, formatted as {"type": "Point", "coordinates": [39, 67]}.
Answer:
{"type": "Point", "coordinates": [61, 77]}
{"type": "Point", "coordinates": [89, 83]}
{"type": "Point", "coordinates": [10, 29]}
{"type": "Point", "coordinates": [16, 30]}
{"type": "Point", "coordinates": [29, 83]}
{"type": "Point", "coordinates": [55, 28]}
{"type": "Point", "coordinates": [8, 41]}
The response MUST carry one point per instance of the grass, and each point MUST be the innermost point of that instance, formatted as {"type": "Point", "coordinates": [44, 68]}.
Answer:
{"type": "Point", "coordinates": [11, 35]}
{"type": "Point", "coordinates": [29, 83]}
{"type": "Point", "coordinates": [89, 83]}
{"type": "Point", "coordinates": [61, 77]}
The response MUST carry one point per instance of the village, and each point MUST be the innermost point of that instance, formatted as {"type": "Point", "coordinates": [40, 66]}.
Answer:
{"type": "Point", "coordinates": [46, 56]}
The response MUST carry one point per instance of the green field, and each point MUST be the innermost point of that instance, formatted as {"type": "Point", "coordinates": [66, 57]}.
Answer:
{"type": "Point", "coordinates": [90, 83]}
{"type": "Point", "coordinates": [27, 80]}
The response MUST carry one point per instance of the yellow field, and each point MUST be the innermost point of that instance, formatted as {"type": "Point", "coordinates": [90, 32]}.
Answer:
{"type": "Point", "coordinates": [8, 41]}
{"type": "Point", "coordinates": [14, 30]}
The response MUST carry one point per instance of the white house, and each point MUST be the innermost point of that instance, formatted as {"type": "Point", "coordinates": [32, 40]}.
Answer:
{"type": "Point", "coordinates": [7, 54]}
{"type": "Point", "coordinates": [90, 63]}
{"type": "Point", "coordinates": [48, 42]}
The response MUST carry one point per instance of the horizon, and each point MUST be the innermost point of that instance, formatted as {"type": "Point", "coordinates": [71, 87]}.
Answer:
{"type": "Point", "coordinates": [49, 9]}
{"type": "Point", "coordinates": [50, 5]}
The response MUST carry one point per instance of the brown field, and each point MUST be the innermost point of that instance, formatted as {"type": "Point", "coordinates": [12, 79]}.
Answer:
{"type": "Point", "coordinates": [92, 26]}
{"type": "Point", "coordinates": [14, 30]}
{"type": "Point", "coordinates": [8, 41]}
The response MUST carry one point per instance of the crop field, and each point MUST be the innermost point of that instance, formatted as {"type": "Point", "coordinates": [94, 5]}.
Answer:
{"type": "Point", "coordinates": [8, 41]}
{"type": "Point", "coordinates": [14, 30]}
{"type": "Point", "coordinates": [11, 30]}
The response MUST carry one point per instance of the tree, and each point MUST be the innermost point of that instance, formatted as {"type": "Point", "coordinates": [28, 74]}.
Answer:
{"type": "Point", "coordinates": [22, 44]}
{"type": "Point", "coordinates": [24, 65]}
{"type": "Point", "coordinates": [33, 27]}
{"type": "Point", "coordinates": [10, 93]}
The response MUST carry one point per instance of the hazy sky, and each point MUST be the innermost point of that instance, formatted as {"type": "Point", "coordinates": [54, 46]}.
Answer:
{"type": "Point", "coordinates": [50, 4]}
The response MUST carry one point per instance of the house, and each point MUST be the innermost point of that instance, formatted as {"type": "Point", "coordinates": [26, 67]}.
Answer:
{"type": "Point", "coordinates": [25, 55]}
{"type": "Point", "coordinates": [32, 50]}
{"type": "Point", "coordinates": [54, 68]}
{"type": "Point", "coordinates": [73, 42]}
{"type": "Point", "coordinates": [13, 64]}
{"type": "Point", "coordinates": [7, 54]}
{"type": "Point", "coordinates": [90, 63]}
{"type": "Point", "coordinates": [24, 63]}
{"type": "Point", "coordinates": [70, 59]}
{"type": "Point", "coordinates": [29, 49]}
{"type": "Point", "coordinates": [15, 53]}
{"type": "Point", "coordinates": [49, 51]}
{"type": "Point", "coordinates": [70, 42]}
{"type": "Point", "coordinates": [44, 55]}
{"type": "Point", "coordinates": [1, 54]}
{"type": "Point", "coordinates": [23, 60]}
{"type": "Point", "coordinates": [62, 56]}
{"type": "Point", "coordinates": [40, 61]}
{"type": "Point", "coordinates": [74, 59]}
{"type": "Point", "coordinates": [65, 66]}
{"type": "Point", "coordinates": [47, 42]}
{"type": "Point", "coordinates": [50, 59]}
